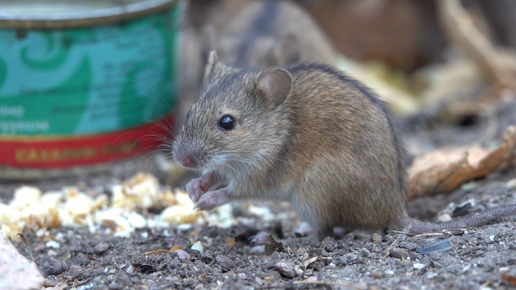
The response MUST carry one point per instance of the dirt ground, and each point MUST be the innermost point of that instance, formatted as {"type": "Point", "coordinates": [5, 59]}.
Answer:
{"type": "Point", "coordinates": [477, 258]}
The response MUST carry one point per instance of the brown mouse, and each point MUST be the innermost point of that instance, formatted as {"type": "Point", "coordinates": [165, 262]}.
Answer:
{"type": "Point", "coordinates": [306, 134]}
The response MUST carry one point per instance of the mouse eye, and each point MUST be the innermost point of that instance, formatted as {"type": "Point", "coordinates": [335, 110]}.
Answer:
{"type": "Point", "coordinates": [227, 123]}
{"type": "Point", "coordinates": [188, 114]}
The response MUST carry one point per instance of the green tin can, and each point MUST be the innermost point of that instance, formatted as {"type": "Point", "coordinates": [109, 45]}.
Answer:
{"type": "Point", "coordinates": [81, 82]}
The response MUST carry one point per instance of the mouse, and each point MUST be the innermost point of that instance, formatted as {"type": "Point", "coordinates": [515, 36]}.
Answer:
{"type": "Point", "coordinates": [307, 134]}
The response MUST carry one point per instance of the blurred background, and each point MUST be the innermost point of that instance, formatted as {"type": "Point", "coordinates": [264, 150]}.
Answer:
{"type": "Point", "coordinates": [417, 55]}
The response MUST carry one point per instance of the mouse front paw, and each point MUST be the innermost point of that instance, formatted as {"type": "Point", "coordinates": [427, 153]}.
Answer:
{"type": "Point", "coordinates": [213, 199]}
{"type": "Point", "coordinates": [198, 186]}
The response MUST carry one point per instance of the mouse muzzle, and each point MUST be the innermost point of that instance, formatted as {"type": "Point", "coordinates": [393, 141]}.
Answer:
{"type": "Point", "coordinates": [188, 156]}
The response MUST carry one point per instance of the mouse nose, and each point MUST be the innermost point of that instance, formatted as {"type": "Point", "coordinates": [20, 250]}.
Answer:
{"type": "Point", "coordinates": [185, 157]}
{"type": "Point", "coordinates": [186, 161]}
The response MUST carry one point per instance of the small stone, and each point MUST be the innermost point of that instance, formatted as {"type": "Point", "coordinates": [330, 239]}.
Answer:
{"type": "Point", "coordinates": [259, 281]}
{"type": "Point", "coordinates": [256, 250]}
{"type": "Point", "coordinates": [444, 218]}
{"type": "Point", "coordinates": [348, 259]}
{"type": "Point", "coordinates": [376, 239]}
{"type": "Point", "coordinates": [198, 246]}
{"type": "Point", "coordinates": [225, 262]}
{"type": "Point", "coordinates": [398, 253]}
{"type": "Point", "coordinates": [409, 246]}
{"type": "Point", "coordinates": [436, 256]}
{"type": "Point", "coordinates": [364, 253]}
{"type": "Point", "coordinates": [419, 266]}
{"type": "Point", "coordinates": [511, 183]}
{"type": "Point", "coordinates": [286, 269]}
{"type": "Point", "coordinates": [182, 255]}
{"type": "Point", "coordinates": [52, 244]}
{"type": "Point", "coordinates": [232, 282]}
{"type": "Point", "coordinates": [192, 251]}
{"type": "Point", "coordinates": [298, 270]}
{"type": "Point", "coordinates": [131, 269]}
{"type": "Point", "coordinates": [101, 248]}
{"type": "Point", "coordinates": [188, 282]}
{"type": "Point", "coordinates": [426, 261]}
{"type": "Point", "coordinates": [115, 286]}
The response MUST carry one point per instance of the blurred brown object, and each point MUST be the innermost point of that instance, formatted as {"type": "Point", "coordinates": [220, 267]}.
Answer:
{"type": "Point", "coordinates": [465, 35]}
{"type": "Point", "coordinates": [470, 32]}
{"type": "Point", "coordinates": [402, 33]}
{"type": "Point", "coordinates": [447, 168]}
{"type": "Point", "coordinates": [501, 15]}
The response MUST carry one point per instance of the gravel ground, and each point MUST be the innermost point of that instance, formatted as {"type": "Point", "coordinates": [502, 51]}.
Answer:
{"type": "Point", "coordinates": [478, 258]}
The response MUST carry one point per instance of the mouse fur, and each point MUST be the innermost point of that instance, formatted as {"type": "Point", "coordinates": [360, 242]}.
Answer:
{"type": "Point", "coordinates": [306, 134]}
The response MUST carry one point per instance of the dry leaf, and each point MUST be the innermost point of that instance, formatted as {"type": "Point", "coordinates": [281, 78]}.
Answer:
{"type": "Point", "coordinates": [160, 251]}
{"type": "Point", "coordinates": [445, 170]}
{"type": "Point", "coordinates": [195, 233]}
{"type": "Point", "coordinates": [309, 261]}
{"type": "Point", "coordinates": [231, 242]}
{"type": "Point", "coordinates": [16, 272]}
{"type": "Point", "coordinates": [509, 279]}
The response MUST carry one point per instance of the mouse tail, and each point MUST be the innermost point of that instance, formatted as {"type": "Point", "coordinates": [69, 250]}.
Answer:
{"type": "Point", "coordinates": [475, 220]}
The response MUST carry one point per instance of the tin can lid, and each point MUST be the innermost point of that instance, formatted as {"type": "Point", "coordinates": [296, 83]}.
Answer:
{"type": "Point", "coordinates": [61, 14]}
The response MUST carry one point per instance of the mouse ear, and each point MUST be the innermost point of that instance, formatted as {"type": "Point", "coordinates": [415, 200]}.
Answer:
{"type": "Point", "coordinates": [274, 85]}
{"type": "Point", "coordinates": [211, 67]}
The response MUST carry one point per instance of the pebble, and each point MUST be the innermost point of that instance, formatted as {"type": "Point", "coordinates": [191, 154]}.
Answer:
{"type": "Point", "coordinates": [444, 218]}
{"type": "Point", "coordinates": [286, 269]}
{"type": "Point", "coordinates": [101, 248]}
{"type": "Point", "coordinates": [398, 253]}
{"type": "Point", "coordinates": [409, 246]}
{"type": "Point", "coordinates": [259, 281]}
{"type": "Point", "coordinates": [225, 261]}
{"type": "Point", "coordinates": [376, 239]}
{"type": "Point", "coordinates": [198, 246]}
{"type": "Point", "coordinates": [419, 266]}
{"type": "Point", "coordinates": [188, 282]}
{"type": "Point", "coordinates": [183, 255]}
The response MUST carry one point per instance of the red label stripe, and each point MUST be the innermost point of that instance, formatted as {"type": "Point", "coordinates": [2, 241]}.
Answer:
{"type": "Point", "coordinates": [62, 152]}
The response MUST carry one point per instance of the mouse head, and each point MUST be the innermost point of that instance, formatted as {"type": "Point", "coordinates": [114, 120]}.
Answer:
{"type": "Point", "coordinates": [239, 122]}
